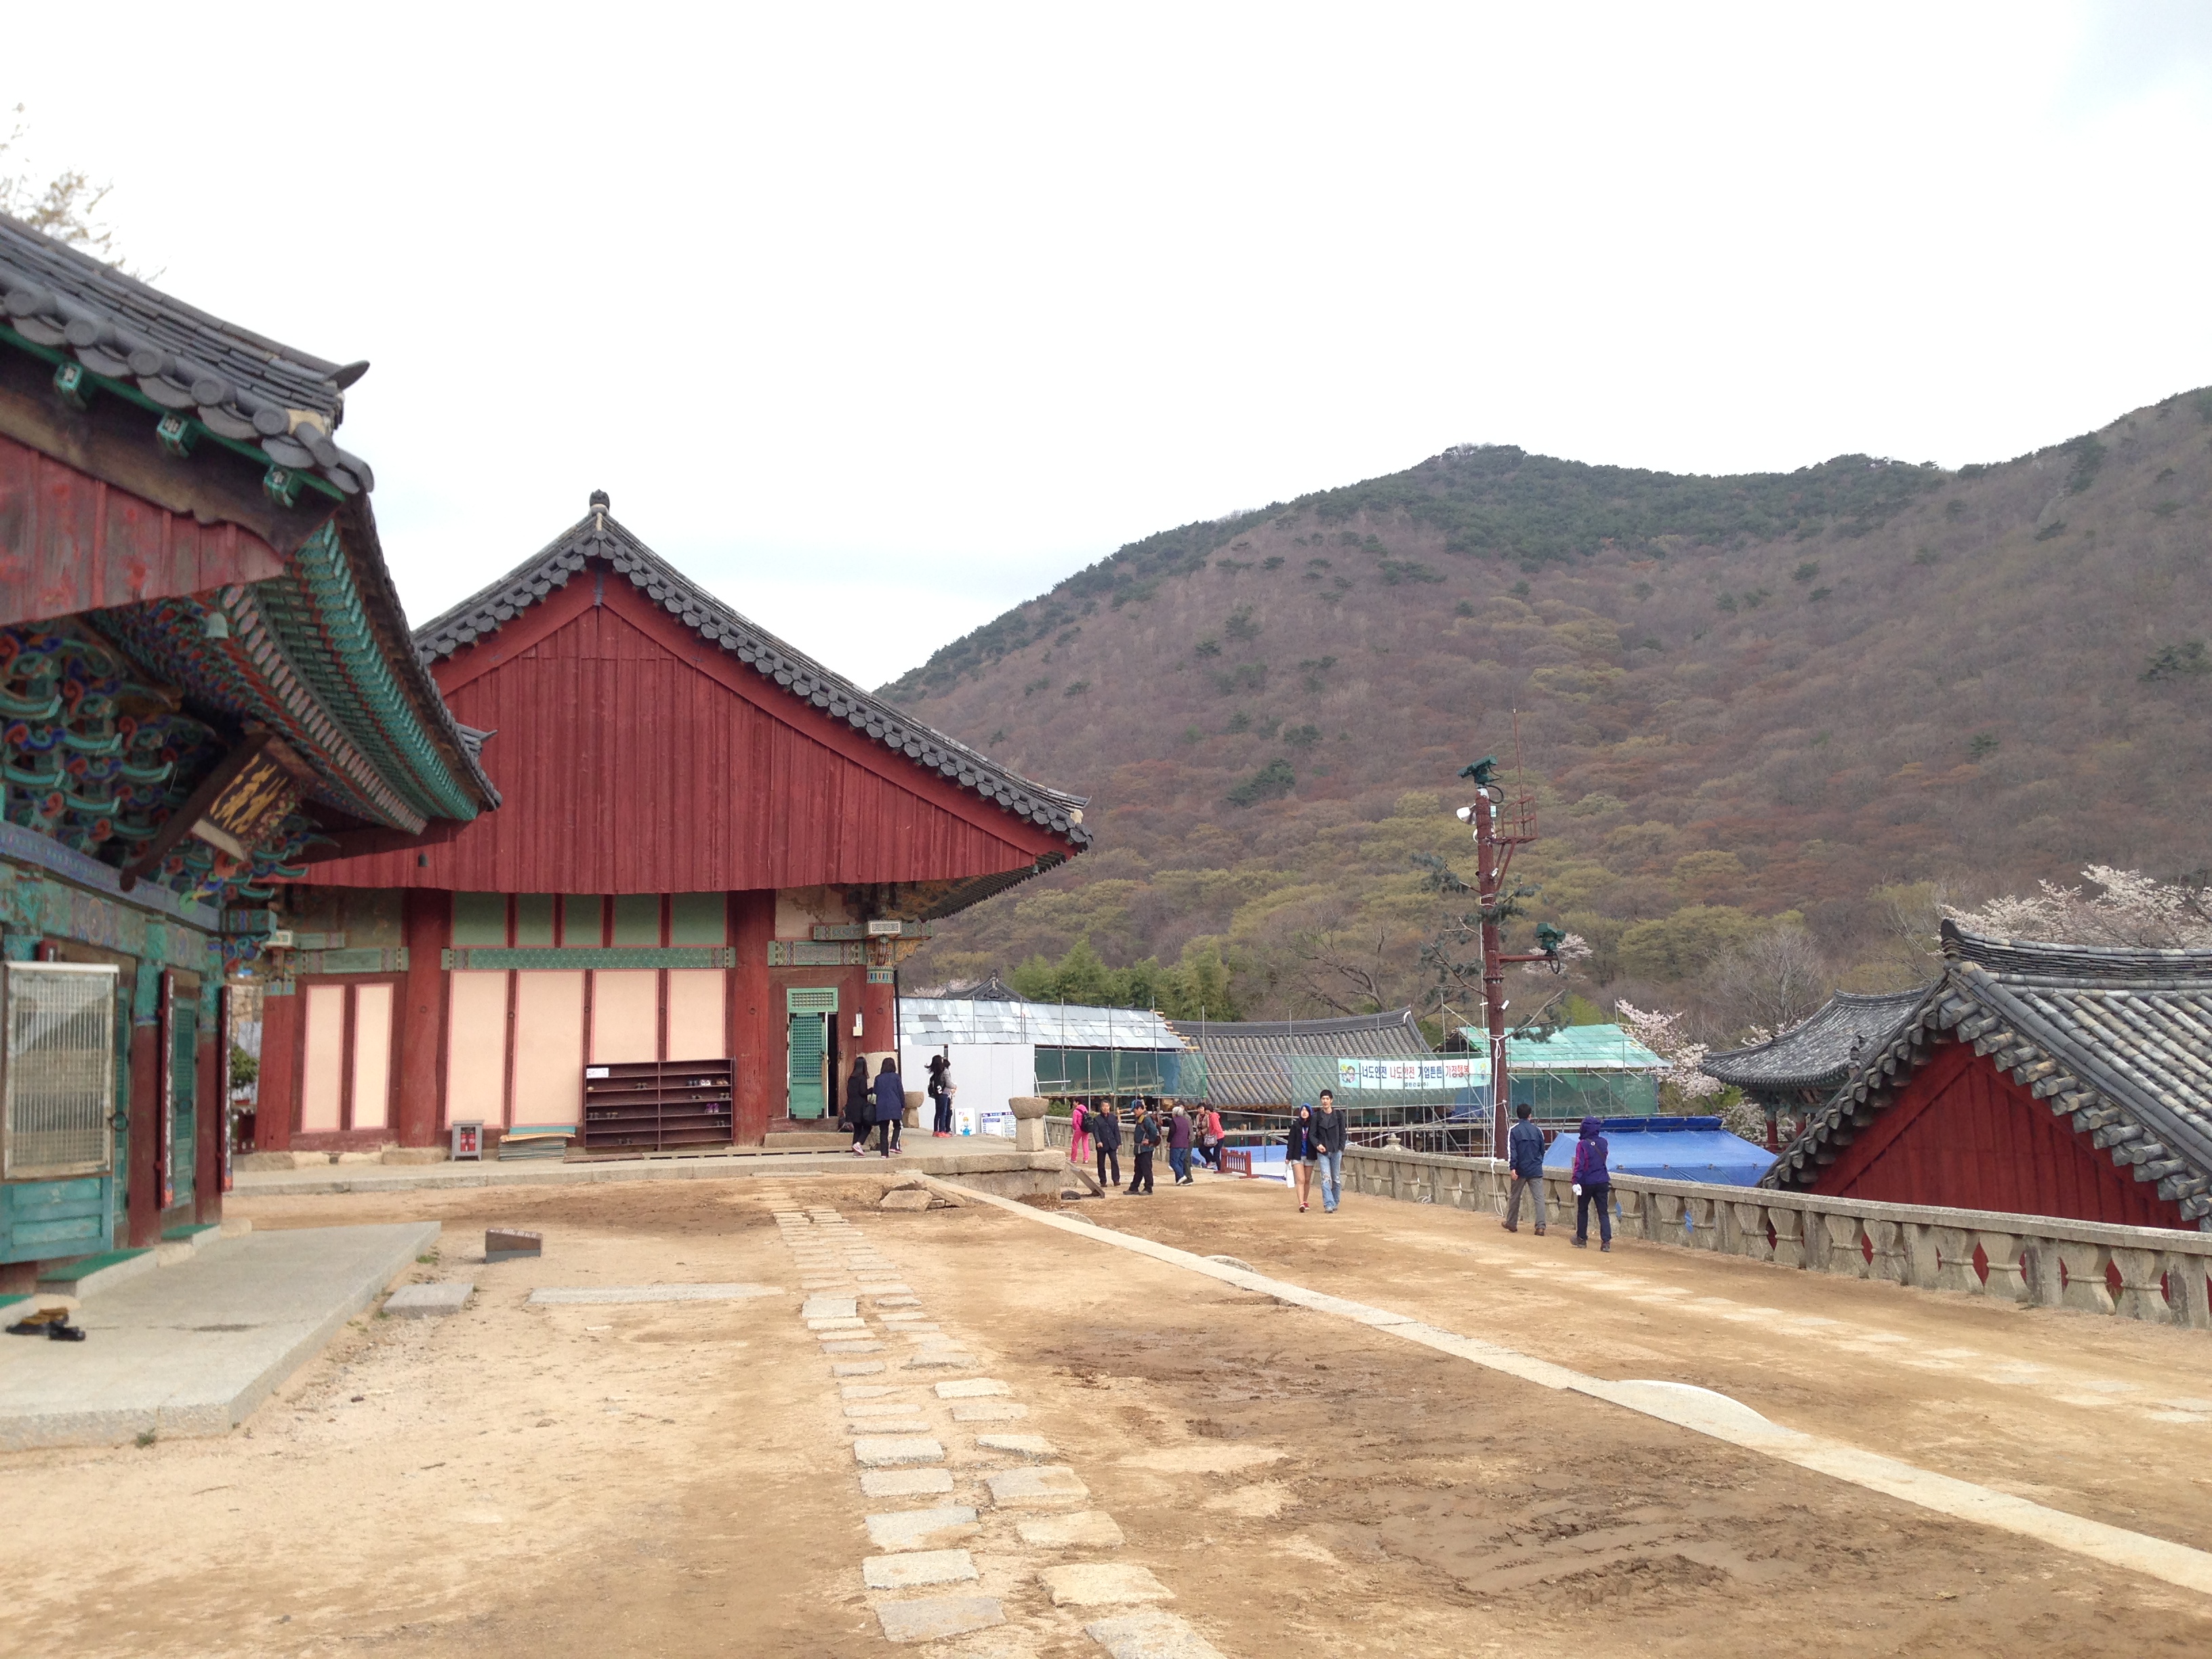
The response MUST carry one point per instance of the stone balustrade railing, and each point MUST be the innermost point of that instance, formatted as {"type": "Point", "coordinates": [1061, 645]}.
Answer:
{"type": "Point", "coordinates": [2136, 1272]}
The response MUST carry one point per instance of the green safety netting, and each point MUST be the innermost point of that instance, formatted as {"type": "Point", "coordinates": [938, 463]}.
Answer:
{"type": "Point", "coordinates": [1120, 1071]}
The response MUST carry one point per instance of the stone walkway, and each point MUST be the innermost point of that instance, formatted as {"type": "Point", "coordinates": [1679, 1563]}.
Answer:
{"type": "Point", "coordinates": [976, 1521]}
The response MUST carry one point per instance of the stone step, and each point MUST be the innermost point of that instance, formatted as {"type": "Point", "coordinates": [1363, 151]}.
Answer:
{"type": "Point", "coordinates": [89, 1274]}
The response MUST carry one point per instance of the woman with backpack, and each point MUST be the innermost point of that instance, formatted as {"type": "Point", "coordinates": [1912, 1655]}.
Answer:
{"type": "Point", "coordinates": [890, 1105]}
{"type": "Point", "coordinates": [1593, 1184]}
{"type": "Point", "coordinates": [1079, 1137]}
{"type": "Point", "coordinates": [941, 1095]}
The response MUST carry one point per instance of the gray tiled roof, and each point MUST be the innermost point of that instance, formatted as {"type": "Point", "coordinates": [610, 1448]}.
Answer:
{"type": "Point", "coordinates": [2119, 1041]}
{"type": "Point", "coordinates": [1823, 1051]}
{"type": "Point", "coordinates": [1244, 1061]}
{"type": "Point", "coordinates": [238, 383]}
{"type": "Point", "coordinates": [598, 537]}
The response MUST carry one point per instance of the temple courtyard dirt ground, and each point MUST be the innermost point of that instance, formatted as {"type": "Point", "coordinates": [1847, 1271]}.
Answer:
{"type": "Point", "coordinates": [681, 1478]}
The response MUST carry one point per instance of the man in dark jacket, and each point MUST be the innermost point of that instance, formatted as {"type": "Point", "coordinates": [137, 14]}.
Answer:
{"type": "Point", "coordinates": [1524, 1155]}
{"type": "Point", "coordinates": [1104, 1125]}
{"type": "Point", "coordinates": [1328, 1137]}
{"type": "Point", "coordinates": [890, 1105]}
{"type": "Point", "coordinates": [1146, 1136]}
{"type": "Point", "coordinates": [1179, 1145]}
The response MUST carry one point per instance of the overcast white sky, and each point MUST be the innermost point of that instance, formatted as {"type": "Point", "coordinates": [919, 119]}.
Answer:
{"type": "Point", "coordinates": [877, 319]}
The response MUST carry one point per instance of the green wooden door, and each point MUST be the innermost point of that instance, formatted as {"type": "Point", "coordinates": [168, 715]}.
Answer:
{"type": "Point", "coordinates": [810, 1060]}
{"type": "Point", "coordinates": [184, 1094]}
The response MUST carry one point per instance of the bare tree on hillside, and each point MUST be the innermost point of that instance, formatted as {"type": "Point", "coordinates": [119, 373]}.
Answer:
{"type": "Point", "coordinates": [1340, 970]}
{"type": "Point", "coordinates": [1768, 985]}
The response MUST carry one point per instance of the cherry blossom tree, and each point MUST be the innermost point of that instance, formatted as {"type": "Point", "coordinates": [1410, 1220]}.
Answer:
{"type": "Point", "coordinates": [2130, 908]}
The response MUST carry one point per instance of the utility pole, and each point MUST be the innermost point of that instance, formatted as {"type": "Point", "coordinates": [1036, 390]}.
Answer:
{"type": "Point", "coordinates": [1494, 845]}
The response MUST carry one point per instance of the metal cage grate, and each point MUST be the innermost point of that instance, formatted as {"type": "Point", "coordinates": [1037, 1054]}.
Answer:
{"type": "Point", "coordinates": [61, 1066]}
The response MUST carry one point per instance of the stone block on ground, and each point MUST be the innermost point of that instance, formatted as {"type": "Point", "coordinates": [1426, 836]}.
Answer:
{"type": "Point", "coordinates": [830, 1307]}
{"type": "Point", "coordinates": [892, 1425]}
{"type": "Point", "coordinates": [895, 1299]}
{"type": "Point", "coordinates": [856, 1368]}
{"type": "Point", "coordinates": [922, 1529]}
{"type": "Point", "coordinates": [1085, 1529]}
{"type": "Point", "coordinates": [1102, 1585]}
{"type": "Point", "coordinates": [907, 1198]}
{"type": "Point", "coordinates": [1023, 1445]}
{"type": "Point", "coordinates": [837, 1324]}
{"type": "Point", "coordinates": [882, 1450]}
{"type": "Point", "coordinates": [971, 1388]}
{"type": "Point", "coordinates": [829, 1345]}
{"type": "Point", "coordinates": [939, 1360]}
{"type": "Point", "coordinates": [917, 1568]}
{"type": "Point", "coordinates": [988, 1411]}
{"type": "Point", "coordinates": [1035, 1488]}
{"type": "Point", "coordinates": [512, 1244]}
{"type": "Point", "coordinates": [905, 1483]}
{"type": "Point", "coordinates": [432, 1301]}
{"type": "Point", "coordinates": [1150, 1635]}
{"type": "Point", "coordinates": [937, 1617]}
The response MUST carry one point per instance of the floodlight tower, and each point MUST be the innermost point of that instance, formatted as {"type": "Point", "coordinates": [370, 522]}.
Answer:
{"type": "Point", "coordinates": [1495, 839]}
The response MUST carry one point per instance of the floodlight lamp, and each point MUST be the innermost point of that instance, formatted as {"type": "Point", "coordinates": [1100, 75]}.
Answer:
{"type": "Point", "coordinates": [1466, 813]}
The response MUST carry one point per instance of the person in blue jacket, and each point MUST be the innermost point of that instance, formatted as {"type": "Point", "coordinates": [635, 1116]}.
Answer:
{"type": "Point", "coordinates": [1524, 1157]}
{"type": "Point", "coordinates": [1592, 1185]}
{"type": "Point", "coordinates": [890, 1105]}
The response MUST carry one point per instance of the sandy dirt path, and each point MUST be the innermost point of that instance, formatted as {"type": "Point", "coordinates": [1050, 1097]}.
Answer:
{"type": "Point", "coordinates": [676, 1479]}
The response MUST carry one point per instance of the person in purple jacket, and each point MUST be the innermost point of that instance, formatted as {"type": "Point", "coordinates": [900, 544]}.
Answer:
{"type": "Point", "coordinates": [1592, 1185]}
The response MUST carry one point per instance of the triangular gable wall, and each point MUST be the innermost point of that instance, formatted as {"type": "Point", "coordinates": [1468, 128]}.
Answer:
{"type": "Point", "coordinates": [635, 757]}
{"type": "Point", "coordinates": [1961, 1135]}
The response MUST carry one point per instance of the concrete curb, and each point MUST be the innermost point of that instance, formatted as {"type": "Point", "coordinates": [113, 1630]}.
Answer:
{"type": "Point", "coordinates": [389, 1178]}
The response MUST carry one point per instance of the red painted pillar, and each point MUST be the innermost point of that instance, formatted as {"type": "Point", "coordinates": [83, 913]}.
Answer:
{"type": "Point", "coordinates": [427, 925]}
{"type": "Point", "coordinates": [144, 1207]}
{"type": "Point", "coordinates": [756, 1017]}
{"type": "Point", "coordinates": [273, 1096]}
{"type": "Point", "coordinates": [878, 1019]}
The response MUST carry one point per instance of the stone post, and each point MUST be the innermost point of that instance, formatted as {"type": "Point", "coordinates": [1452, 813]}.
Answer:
{"type": "Point", "coordinates": [1888, 1265]}
{"type": "Point", "coordinates": [2085, 1277]}
{"type": "Point", "coordinates": [1788, 1236]}
{"type": "Point", "coordinates": [915, 1100]}
{"type": "Point", "coordinates": [1953, 1250]}
{"type": "Point", "coordinates": [1701, 1224]}
{"type": "Point", "coordinates": [2045, 1287]}
{"type": "Point", "coordinates": [2006, 1282]}
{"type": "Point", "coordinates": [2186, 1290]}
{"type": "Point", "coordinates": [1029, 1120]}
{"type": "Point", "coordinates": [1748, 1235]}
{"type": "Point", "coordinates": [1846, 1257]}
{"type": "Point", "coordinates": [2142, 1294]}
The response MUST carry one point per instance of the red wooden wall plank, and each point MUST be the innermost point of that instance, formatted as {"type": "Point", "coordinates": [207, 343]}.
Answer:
{"type": "Point", "coordinates": [1963, 1134]}
{"type": "Point", "coordinates": [628, 765]}
{"type": "Point", "coordinates": [69, 541]}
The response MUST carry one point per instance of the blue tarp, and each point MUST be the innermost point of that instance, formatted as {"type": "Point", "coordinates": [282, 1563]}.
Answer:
{"type": "Point", "coordinates": [1671, 1149]}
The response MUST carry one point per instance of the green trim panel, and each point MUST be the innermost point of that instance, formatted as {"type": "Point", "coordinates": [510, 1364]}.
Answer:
{"type": "Point", "coordinates": [42, 1219]}
{"type": "Point", "coordinates": [577, 956]}
{"type": "Point", "coordinates": [811, 1000]}
{"type": "Point", "coordinates": [805, 953]}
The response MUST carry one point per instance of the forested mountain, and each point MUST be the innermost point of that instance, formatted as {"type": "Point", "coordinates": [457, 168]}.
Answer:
{"type": "Point", "coordinates": [1744, 705]}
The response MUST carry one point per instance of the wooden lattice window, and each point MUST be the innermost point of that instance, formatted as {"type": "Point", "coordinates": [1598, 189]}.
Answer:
{"type": "Point", "coordinates": [60, 1085]}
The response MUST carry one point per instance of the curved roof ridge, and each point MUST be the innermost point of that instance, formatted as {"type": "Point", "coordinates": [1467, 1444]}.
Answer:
{"type": "Point", "coordinates": [2058, 960]}
{"type": "Point", "coordinates": [598, 535]}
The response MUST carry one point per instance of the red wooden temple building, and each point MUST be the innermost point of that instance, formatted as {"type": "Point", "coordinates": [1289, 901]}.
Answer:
{"type": "Point", "coordinates": [710, 855]}
{"type": "Point", "coordinates": [206, 683]}
{"type": "Point", "coordinates": [2032, 1078]}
